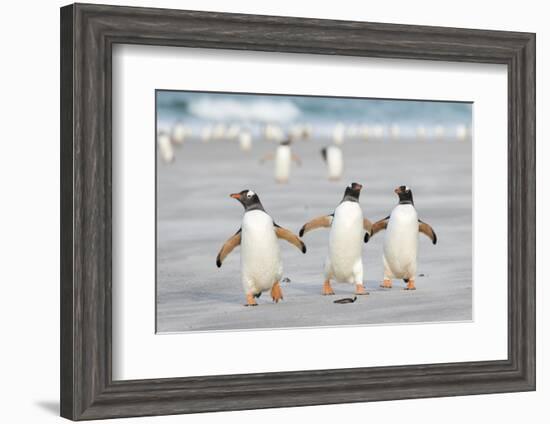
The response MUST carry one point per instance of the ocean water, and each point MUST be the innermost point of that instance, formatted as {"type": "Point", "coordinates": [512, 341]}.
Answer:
{"type": "Point", "coordinates": [197, 109]}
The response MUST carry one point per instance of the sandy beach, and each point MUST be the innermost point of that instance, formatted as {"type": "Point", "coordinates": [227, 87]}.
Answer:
{"type": "Point", "coordinates": [195, 216]}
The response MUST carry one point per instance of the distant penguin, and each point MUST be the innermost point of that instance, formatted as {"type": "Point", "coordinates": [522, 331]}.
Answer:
{"type": "Point", "coordinates": [206, 134]}
{"type": "Point", "coordinates": [378, 132]}
{"type": "Point", "coordinates": [439, 132]}
{"type": "Point", "coordinates": [219, 131]}
{"type": "Point", "coordinates": [401, 242]}
{"type": "Point", "coordinates": [461, 132]}
{"type": "Point", "coordinates": [179, 133]}
{"type": "Point", "coordinates": [300, 131]}
{"type": "Point", "coordinates": [339, 133]}
{"type": "Point", "coordinates": [335, 163]}
{"type": "Point", "coordinates": [166, 149]}
{"type": "Point", "coordinates": [307, 131]}
{"type": "Point", "coordinates": [245, 141]}
{"type": "Point", "coordinates": [365, 132]}
{"type": "Point", "coordinates": [261, 266]}
{"type": "Point", "coordinates": [421, 132]}
{"type": "Point", "coordinates": [283, 158]}
{"type": "Point", "coordinates": [352, 131]}
{"type": "Point", "coordinates": [273, 132]}
{"type": "Point", "coordinates": [233, 131]}
{"type": "Point", "coordinates": [296, 132]}
{"type": "Point", "coordinates": [395, 132]}
{"type": "Point", "coordinates": [344, 262]}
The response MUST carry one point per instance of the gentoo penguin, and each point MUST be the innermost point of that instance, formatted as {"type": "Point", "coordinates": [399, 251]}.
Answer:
{"type": "Point", "coordinates": [339, 133]}
{"type": "Point", "coordinates": [273, 132]}
{"type": "Point", "coordinates": [307, 131]}
{"type": "Point", "coordinates": [206, 134]}
{"type": "Point", "coordinates": [179, 133]}
{"type": "Point", "coordinates": [245, 141]}
{"type": "Point", "coordinates": [165, 147]}
{"type": "Point", "coordinates": [395, 132]}
{"type": "Point", "coordinates": [347, 226]}
{"type": "Point", "coordinates": [439, 132]}
{"type": "Point", "coordinates": [261, 266]}
{"type": "Point", "coordinates": [283, 157]}
{"type": "Point", "coordinates": [233, 131]}
{"type": "Point", "coordinates": [296, 132]}
{"type": "Point", "coordinates": [300, 131]}
{"type": "Point", "coordinates": [461, 132]}
{"type": "Point", "coordinates": [334, 160]}
{"type": "Point", "coordinates": [421, 132]}
{"type": "Point", "coordinates": [352, 131]}
{"type": "Point", "coordinates": [365, 132]}
{"type": "Point", "coordinates": [218, 132]}
{"type": "Point", "coordinates": [401, 242]}
{"type": "Point", "coordinates": [378, 132]}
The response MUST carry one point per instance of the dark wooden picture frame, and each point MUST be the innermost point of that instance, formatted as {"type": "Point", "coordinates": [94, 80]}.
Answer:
{"type": "Point", "coordinates": [88, 33]}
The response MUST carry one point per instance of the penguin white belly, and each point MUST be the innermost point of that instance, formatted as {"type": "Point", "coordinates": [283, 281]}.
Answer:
{"type": "Point", "coordinates": [345, 263]}
{"type": "Point", "coordinates": [179, 132]}
{"type": "Point", "coordinates": [401, 243]}
{"type": "Point", "coordinates": [245, 141]}
{"type": "Point", "coordinates": [334, 162]}
{"type": "Point", "coordinates": [261, 263]}
{"type": "Point", "coordinates": [165, 148]}
{"type": "Point", "coordinates": [282, 163]}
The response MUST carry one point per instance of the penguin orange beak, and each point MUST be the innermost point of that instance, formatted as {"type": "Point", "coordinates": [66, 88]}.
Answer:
{"type": "Point", "coordinates": [397, 190]}
{"type": "Point", "coordinates": [235, 196]}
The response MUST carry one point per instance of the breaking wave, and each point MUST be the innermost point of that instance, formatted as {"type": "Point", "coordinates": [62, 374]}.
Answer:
{"type": "Point", "coordinates": [220, 109]}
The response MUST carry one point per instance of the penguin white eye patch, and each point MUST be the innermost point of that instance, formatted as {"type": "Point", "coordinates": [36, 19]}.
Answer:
{"type": "Point", "coordinates": [250, 194]}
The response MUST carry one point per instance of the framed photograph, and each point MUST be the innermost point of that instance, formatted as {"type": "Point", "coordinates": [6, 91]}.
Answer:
{"type": "Point", "coordinates": [262, 212]}
{"type": "Point", "coordinates": [259, 141]}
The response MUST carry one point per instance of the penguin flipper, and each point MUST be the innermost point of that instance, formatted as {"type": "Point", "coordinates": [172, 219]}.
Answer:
{"type": "Point", "coordinates": [377, 227]}
{"type": "Point", "coordinates": [268, 156]}
{"type": "Point", "coordinates": [427, 230]}
{"type": "Point", "coordinates": [289, 236]}
{"type": "Point", "coordinates": [228, 247]}
{"type": "Point", "coordinates": [324, 221]}
{"type": "Point", "coordinates": [367, 226]}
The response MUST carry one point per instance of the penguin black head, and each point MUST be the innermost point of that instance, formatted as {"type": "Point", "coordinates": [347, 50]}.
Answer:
{"type": "Point", "coordinates": [248, 199]}
{"type": "Point", "coordinates": [352, 192]}
{"type": "Point", "coordinates": [286, 142]}
{"type": "Point", "coordinates": [405, 195]}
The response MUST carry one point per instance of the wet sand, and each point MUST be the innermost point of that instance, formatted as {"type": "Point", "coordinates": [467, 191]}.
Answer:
{"type": "Point", "coordinates": [195, 216]}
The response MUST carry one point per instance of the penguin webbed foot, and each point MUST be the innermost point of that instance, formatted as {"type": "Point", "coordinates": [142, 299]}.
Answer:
{"type": "Point", "coordinates": [327, 289]}
{"type": "Point", "coordinates": [410, 284]}
{"type": "Point", "coordinates": [386, 284]}
{"type": "Point", "coordinates": [360, 290]}
{"type": "Point", "coordinates": [276, 292]}
{"type": "Point", "coordinates": [250, 299]}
